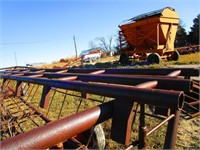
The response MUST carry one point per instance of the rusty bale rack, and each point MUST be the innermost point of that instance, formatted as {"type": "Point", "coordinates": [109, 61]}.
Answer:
{"type": "Point", "coordinates": [65, 108]}
{"type": "Point", "coordinates": [149, 36]}
{"type": "Point", "coordinates": [188, 49]}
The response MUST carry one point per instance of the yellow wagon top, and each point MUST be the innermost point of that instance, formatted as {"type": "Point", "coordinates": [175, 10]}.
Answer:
{"type": "Point", "coordinates": [156, 29]}
{"type": "Point", "coordinates": [167, 13]}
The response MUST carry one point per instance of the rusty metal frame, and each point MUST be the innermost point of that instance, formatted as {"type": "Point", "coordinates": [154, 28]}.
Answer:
{"type": "Point", "coordinates": [126, 86]}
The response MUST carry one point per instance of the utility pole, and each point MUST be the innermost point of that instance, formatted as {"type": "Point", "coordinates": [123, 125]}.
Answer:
{"type": "Point", "coordinates": [75, 45]}
{"type": "Point", "coordinates": [15, 58]}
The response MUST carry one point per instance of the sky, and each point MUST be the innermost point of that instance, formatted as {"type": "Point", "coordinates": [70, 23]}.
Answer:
{"type": "Point", "coordinates": [41, 31]}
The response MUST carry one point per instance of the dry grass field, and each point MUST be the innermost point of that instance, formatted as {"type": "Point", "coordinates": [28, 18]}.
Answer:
{"type": "Point", "coordinates": [188, 130]}
{"type": "Point", "coordinates": [108, 62]}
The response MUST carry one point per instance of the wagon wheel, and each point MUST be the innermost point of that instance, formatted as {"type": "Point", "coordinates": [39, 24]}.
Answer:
{"type": "Point", "coordinates": [93, 138]}
{"type": "Point", "coordinates": [97, 138]}
{"type": "Point", "coordinates": [124, 60]}
{"type": "Point", "coordinates": [154, 58]}
{"type": "Point", "coordinates": [175, 55]}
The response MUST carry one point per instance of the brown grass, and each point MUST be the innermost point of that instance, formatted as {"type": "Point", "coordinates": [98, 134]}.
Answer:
{"type": "Point", "coordinates": [187, 59]}
{"type": "Point", "coordinates": [187, 131]}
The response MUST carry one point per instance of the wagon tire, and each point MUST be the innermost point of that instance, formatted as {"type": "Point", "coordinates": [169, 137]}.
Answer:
{"type": "Point", "coordinates": [154, 58]}
{"type": "Point", "coordinates": [124, 60]}
{"type": "Point", "coordinates": [98, 138]}
{"type": "Point", "coordinates": [175, 55]}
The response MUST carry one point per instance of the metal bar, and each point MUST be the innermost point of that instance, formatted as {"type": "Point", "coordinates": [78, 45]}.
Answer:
{"type": "Point", "coordinates": [174, 73]}
{"type": "Point", "coordinates": [18, 88]}
{"type": "Point", "coordinates": [60, 130]}
{"type": "Point", "coordinates": [195, 115]}
{"type": "Point", "coordinates": [156, 97]}
{"type": "Point", "coordinates": [159, 125]}
{"type": "Point", "coordinates": [64, 98]}
{"type": "Point", "coordinates": [52, 98]}
{"type": "Point", "coordinates": [98, 72]}
{"type": "Point", "coordinates": [165, 82]}
{"type": "Point", "coordinates": [143, 71]}
{"type": "Point", "coordinates": [170, 139]}
{"type": "Point", "coordinates": [35, 92]}
{"type": "Point", "coordinates": [94, 100]}
{"type": "Point", "coordinates": [164, 111]}
{"type": "Point", "coordinates": [194, 103]}
{"type": "Point", "coordinates": [122, 120]}
{"type": "Point", "coordinates": [68, 78]}
{"type": "Point", "coordinates": [31, 89]}
{"type": "Point", "coordinates": [192, 107]}
{"type": "Point", "coordinates": [62, 71]}
{"type": "Point", "coordinates": [36, 111]}
{"type": "Point", "coordinates": [142, 128]}
{"type": "Point", "coordinates": [44, 102]}
{"type": "Point", "coordinates": [138, 71]}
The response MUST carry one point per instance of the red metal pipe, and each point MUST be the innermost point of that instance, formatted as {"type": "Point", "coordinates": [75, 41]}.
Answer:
{"type": "Point", "coordinates": [156, 97]}
{"type": "Point", "coordinates": [147, 71]}
{"type": "Point", "coordinates": [164, 82]}
{"type": "Point", "coordinates": [122, 120]}
{"type": "Point", "coordinates": [60, 130]}
{"type": "Point", "coordinates": [143, 71]}
{"type": "Point", "coordinates": [160, 124]}
{"type": "Point", "coordinates": [171, 134]}
{"type": "Point", "coordinates": [174, 73]}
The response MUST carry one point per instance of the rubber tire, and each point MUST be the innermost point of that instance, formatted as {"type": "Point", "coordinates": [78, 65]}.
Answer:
{"type": "Point", "coordinates": [98, 138]}
{"type": "Point", "coordinates": [23, 89]}
{"type": "Point", "coordinates": [149, 58]}
{"type": "Point", "coordinates": [154, 58]}
{"type": "Point", "coordinates": [175, 55]}
{"type": "Point", "coordinates": [124, 60]}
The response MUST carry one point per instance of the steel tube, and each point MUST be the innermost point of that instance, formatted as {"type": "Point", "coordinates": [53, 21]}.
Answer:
{"type": "Point", "coordinates": [163, 82]}
{"type": "Point", "coordinates": [174, 73]}
{"type": "Point", "coordinates": [140, 71]}
{"type": "Point", "coordinates": [159, 125]}
{"type": "Point", "coordinates": [60, 130]}
{"type": "Point", "coordinates": [170, 138]}
{"type": "Point", "coordinates": [156, 97]}
{"type": "Point", "coordinates": [148, 71]}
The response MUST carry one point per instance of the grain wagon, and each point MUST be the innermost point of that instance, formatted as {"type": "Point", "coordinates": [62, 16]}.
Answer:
{"type": "Point", "coordinates": [149, 36]}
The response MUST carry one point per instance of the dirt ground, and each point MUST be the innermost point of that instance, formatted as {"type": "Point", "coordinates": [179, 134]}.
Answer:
{"type": "Point", "coordinates": [188, 136]}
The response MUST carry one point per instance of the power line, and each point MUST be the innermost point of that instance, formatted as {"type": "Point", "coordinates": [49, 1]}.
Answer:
{"type": "Point", "coordinates": [31, 42]}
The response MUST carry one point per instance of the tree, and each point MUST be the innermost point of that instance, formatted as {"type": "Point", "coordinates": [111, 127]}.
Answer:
{"type": "Point", "coordinates": [193, 36]}
{"type": "Point", "coordinates": [181, 36]}
{"type": "Point", "coordinates": [106, 45]}
{"type": "Point", "coordinates": [102, 43]}
{"type": "Point", "coordinates": [117, 43]}
{"type": "Point", "coordinates": [92, 44]}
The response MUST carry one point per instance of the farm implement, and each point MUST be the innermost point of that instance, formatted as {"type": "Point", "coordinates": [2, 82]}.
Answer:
{"type": "Point", "coordinates": [149, 36]}
{"type": "Point", "coordinates": [86, 108]}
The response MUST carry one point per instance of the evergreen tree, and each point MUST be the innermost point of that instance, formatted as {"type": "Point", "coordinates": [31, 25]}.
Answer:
{"type": "Point", "coordinates": [181, 37]}
{"type": "Point", "coordinates": [193, 36]}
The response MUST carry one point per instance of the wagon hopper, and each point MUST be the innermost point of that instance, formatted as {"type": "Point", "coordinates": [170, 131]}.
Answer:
{"type": "Point", "coordinates": [149, 36]}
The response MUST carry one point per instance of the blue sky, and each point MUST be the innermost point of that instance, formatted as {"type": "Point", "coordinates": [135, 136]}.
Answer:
{"type": "Point", "coordinates": [42, 30]}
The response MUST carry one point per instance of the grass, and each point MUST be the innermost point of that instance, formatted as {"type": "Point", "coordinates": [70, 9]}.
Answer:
{"type": "Point", "coordinates": [193, 58]}
{"type": "Point", "coordinates": [112, 62]}
{"type": "Point", "coordinates": [61, 106]}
